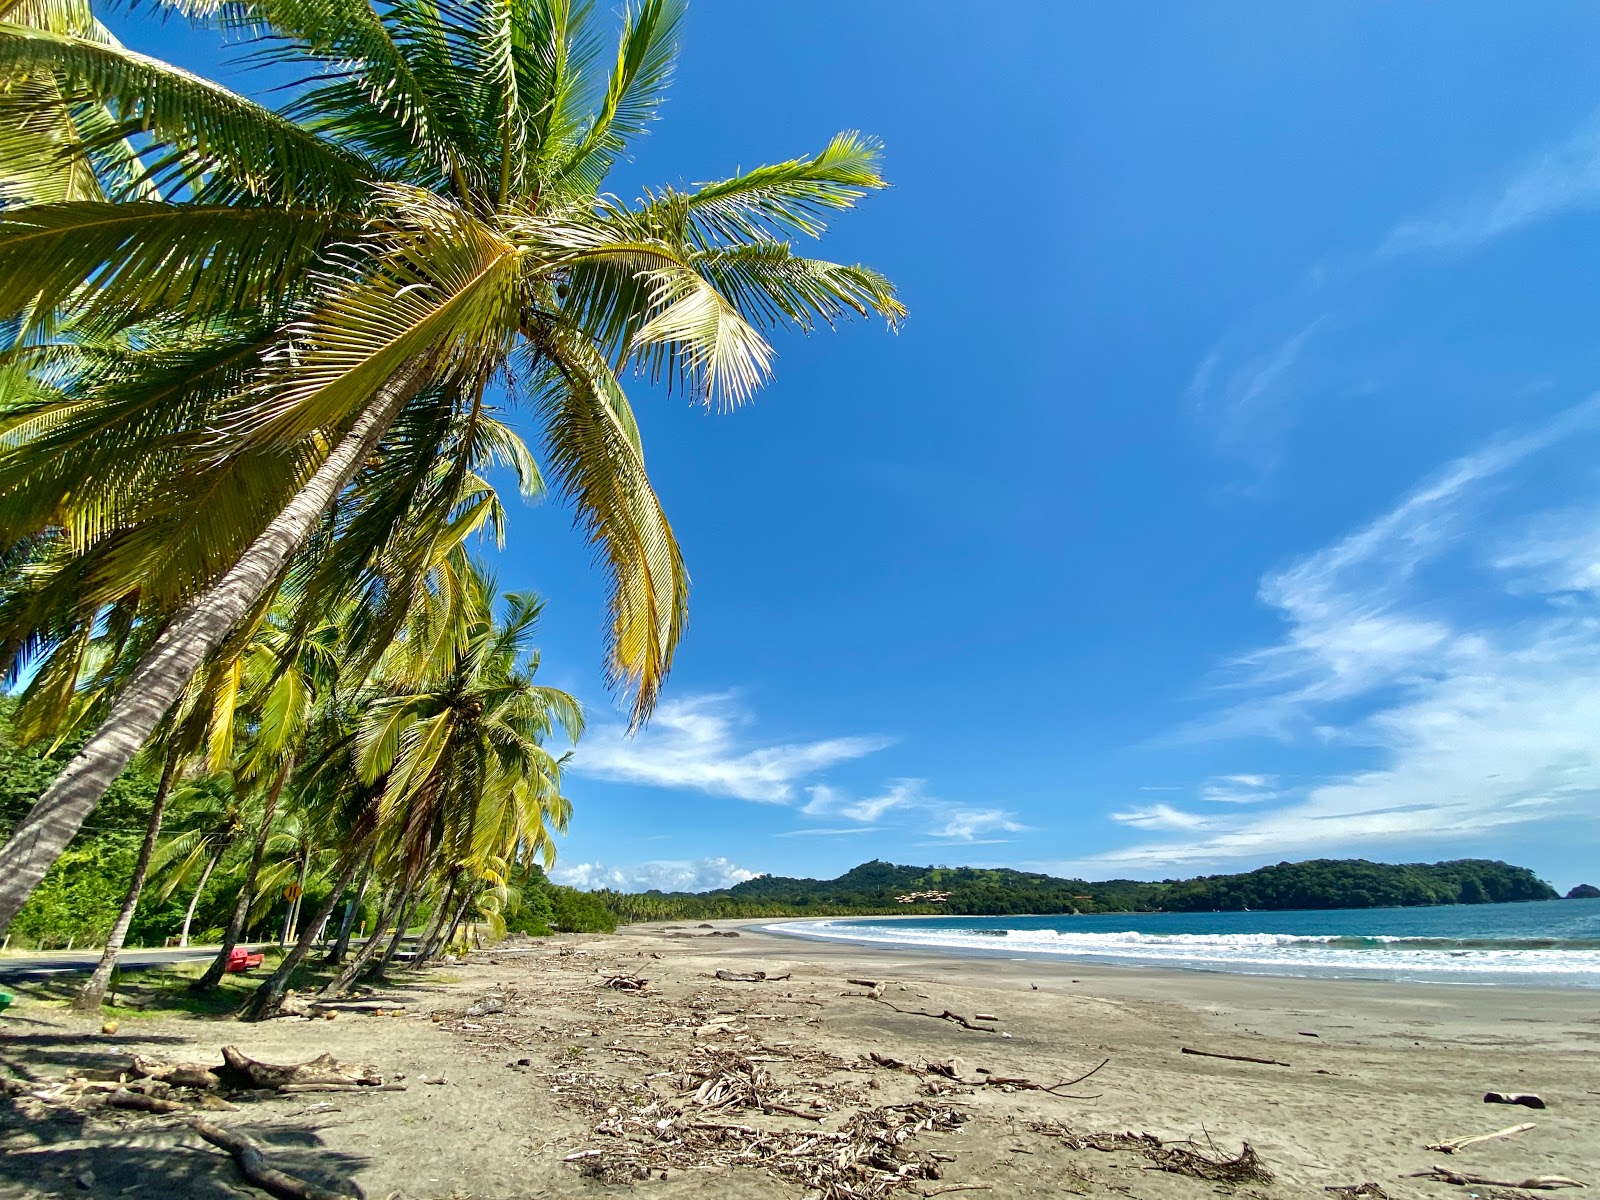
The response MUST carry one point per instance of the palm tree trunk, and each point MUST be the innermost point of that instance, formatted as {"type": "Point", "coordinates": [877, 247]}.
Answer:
{"type": "Point", "coordinates": [402, 923]}
{"type": "Point", "coordinates": [194, 900]}
{"type": "Point", "coordinates": [336, 955]}
{"type": "Point", "coordinates": [455, 921]}
{"type": "Point", "coordinates": [291, 919]}
{"type": "Point", "coordinates": [247, 891]}
{"type": "Point", "coordinates": [437, 927]}
{"type": "Point", "coordinates": [370, 949]}
{"type": "Point", "coordinates": [265, 1000]}
{"type": "Point", "coordinates": [198, 628]}
{"type": "Point", "coordinates": [94, 992]}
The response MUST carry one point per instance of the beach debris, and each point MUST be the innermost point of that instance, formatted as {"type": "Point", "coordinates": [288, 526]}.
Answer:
{"type": "Point", "coordinates": [1451, 1145]}
{"type": "Point", "coordinates": [984, 1017]}
{"type": "Point", "coordinates": [957, 1187]}
{"type": "Point", "coordinates": [1179, 1158]}
{"type": "Point", "coordinates": [109, 1028]}
{"type": "Point", "coordinates": [298, 1006]}
{"type": "Point", "coordinates": [1356, 1191]}
{"type": "Point", "coordinates": [625, 983]}
{"type": "Point", "coordinates": [1308, 1033]}
{"type": "Point", "coordinates": [324, 1070]}
{"type": "Point", "coordinates": [253, 1165]}
{"type": "Point", "coordinates": [486, 1006]}
{"type": "Point", "coordinates": [954, 1068]}
{"type": "Point", "coordinates": [1526, 1099]}
{"type": "Point", "coordinates": [1247, 1058]}
{"type": "Point", "coordinates": [751, 977]}
{"type": "Point", "coordinates": [140, 1102]}
{"type": "Point", "coordinates": [1538, 1183]}
{"type": "Point", "coordinates": [875, 992]}
{"type": "Point", "coordinates": [865, 1159]}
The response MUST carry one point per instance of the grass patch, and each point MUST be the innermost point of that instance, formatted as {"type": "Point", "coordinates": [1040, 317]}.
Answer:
{"type": "Point", "coordinates": [154, 992]}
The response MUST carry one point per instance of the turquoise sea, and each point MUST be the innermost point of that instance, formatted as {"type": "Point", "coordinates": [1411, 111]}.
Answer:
{"type": "Point", "coordinates": [1548, 943]}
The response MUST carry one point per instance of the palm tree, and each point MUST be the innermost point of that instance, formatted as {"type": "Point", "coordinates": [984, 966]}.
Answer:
{"type": "Point", "coordinates": [215, 818]}
{"type": "Point", "coordinates": [424, 215]}
{"type": "Point", "coordinates": [450, 746]}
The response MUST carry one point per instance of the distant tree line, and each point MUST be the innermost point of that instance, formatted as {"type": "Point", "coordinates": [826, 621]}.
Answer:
{"type": "Point", "coordinates": [873, 888]}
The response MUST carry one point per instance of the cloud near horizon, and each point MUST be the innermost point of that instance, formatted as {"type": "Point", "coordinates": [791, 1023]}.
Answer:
{"type": "Point", "coordinates": [1474, 717]}
{"type": "Point", "coordinates": [670, 875]}
{"type": "Point", "coordinates": [692, 744]}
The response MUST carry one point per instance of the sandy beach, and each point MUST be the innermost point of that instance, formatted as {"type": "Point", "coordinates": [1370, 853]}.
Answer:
{"type": "Point", "coordinates": [571, 1082]}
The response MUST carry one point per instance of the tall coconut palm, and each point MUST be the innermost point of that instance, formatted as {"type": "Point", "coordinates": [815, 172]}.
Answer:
{"type": "Point", "coordinates": [450, 742]}
{"type": "Point", "coordinates": [216, 817]}
{"type": "Point", "coordinates": [423, 215]}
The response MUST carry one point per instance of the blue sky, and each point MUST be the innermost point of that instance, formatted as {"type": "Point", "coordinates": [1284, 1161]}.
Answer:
{"type": "Point", "coordinates": [1230, 495]}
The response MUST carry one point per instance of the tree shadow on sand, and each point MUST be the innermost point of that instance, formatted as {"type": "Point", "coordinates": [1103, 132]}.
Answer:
{"type": "Point", "coordinates": [64, 1152]}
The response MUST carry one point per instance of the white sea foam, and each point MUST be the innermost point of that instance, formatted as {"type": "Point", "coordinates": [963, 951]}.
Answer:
{"type": "Point", "coordinates": [1529, 960]}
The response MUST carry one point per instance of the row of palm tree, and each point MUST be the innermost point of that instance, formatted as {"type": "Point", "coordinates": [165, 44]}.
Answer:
{"type": "Point", "coordinates": [254, 363]}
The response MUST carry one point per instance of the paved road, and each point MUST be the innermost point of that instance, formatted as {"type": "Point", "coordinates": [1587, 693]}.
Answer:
{"type": "Point", "coordinates": [64, 962]}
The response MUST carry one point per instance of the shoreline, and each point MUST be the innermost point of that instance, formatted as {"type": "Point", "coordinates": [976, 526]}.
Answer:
{"type": "Point", "coordinates": [1333, 971]}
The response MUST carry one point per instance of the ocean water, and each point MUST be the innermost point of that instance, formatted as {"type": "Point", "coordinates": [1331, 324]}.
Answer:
{"type": "Point", "coordinates": [1548, 943]}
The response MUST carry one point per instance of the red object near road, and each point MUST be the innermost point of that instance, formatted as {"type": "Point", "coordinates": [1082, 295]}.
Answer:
{"type": "Point", "coordinates": [240, 959]}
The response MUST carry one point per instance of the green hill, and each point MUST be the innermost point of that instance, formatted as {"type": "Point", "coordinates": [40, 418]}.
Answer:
{"type": "Point", "coordinates": [876, 887]}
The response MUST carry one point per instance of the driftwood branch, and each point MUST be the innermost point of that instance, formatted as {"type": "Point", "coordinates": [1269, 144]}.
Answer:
{"type": "Point", "coordinates": [277, 1076]}
{"type": "Point", "coordinates": [253, 1166]}
{"type": "Point", "coordinates": [750, 976]}
{"type": "Point", "coordinates": [139, 1102]}
{"type": "Point", "coordinates": [1451, 1145]}
{"type": "Point", "coordinates": [946, 1015]}
{"type": "Point", "coordinates": [1539, 1183]}
{"type": "Point", "coordinates": [1249, 1058]}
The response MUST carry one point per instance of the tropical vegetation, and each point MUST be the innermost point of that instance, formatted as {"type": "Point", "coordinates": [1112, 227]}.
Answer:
{"type": "Point", "coordinates": [255, 365]}
{"type": "Point", "coordinates": [877, 887]}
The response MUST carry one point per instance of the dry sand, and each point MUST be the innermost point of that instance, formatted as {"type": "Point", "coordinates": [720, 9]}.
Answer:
{"type": "Point", "coordinates": [1390, 1069]}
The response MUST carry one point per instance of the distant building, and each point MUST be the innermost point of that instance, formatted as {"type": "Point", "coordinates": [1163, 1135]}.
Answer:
{"type": "Point", "coordinates": [922, 898]}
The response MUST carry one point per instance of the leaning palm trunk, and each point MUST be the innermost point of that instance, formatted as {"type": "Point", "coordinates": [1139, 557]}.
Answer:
{"type": "Point", "coordinates": [247, 891]}
{"type": "Point", "coordinates": [369, 948]}
{"type": "Point", "coordinates": [431, 938]}
{"type": "Point", "coordinates": [342, 945]}
{"type": "Point", "coordinates": [401, 924]}
{"type": "Point", "coordinates": [198, 629]}
{"type": "Point", "coordinates": [266, 999]}
{"type": "Point", "coordinates": [455, 922]}
{"type": "Point", "coordinates": [93, 994]}
{"type": "Point", "coordinates": [194, 900]}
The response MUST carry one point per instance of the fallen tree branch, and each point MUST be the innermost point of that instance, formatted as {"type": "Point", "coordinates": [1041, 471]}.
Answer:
{"type": "Point", "coordinates": [1539, 1183]}
{"type": "Point", "coordinates": [946, 1015]}
{"type": "Point", "coordinates": [142, 1103]}
{"type": "Point", "coordinates": [1265, 1062]}
{"type": "Point", "coordinates": [253, 1166]}
{"type": "Point", "coordinates": [728, 976]}
{"type": "Point", "coordinates": [957, 1187]}
{"type": "Point", "coordinates": [1451, 1145]}
{"type": "Point", "coordinates": [322, 1069]}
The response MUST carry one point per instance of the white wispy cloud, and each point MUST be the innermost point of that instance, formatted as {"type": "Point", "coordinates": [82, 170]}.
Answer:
{"type": "Point", "coordinates": [1259, 376]}
{"type": "Point", "coordinates": [1474, 717]}
{"type": "Point", "coordinates": [964, 825]}
{"type": "Point", "coordinates": [1558, 180]}
{"type": "Point", "coordinates": [901, 793]}
{"type": "Point", "coordinates": [699, 875]}
{"type": "Point", "coordinates": [694, 744]}
{"type": "Point", "coordinates": [1240, 789]}
{"type": "Point", "coordinates": [1160, 816]}
{"type": "Point", "coordinates": [944, 822]}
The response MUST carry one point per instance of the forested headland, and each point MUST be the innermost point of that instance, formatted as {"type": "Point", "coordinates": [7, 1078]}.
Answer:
{"type": "Point", "coordinates": [875, 887]}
